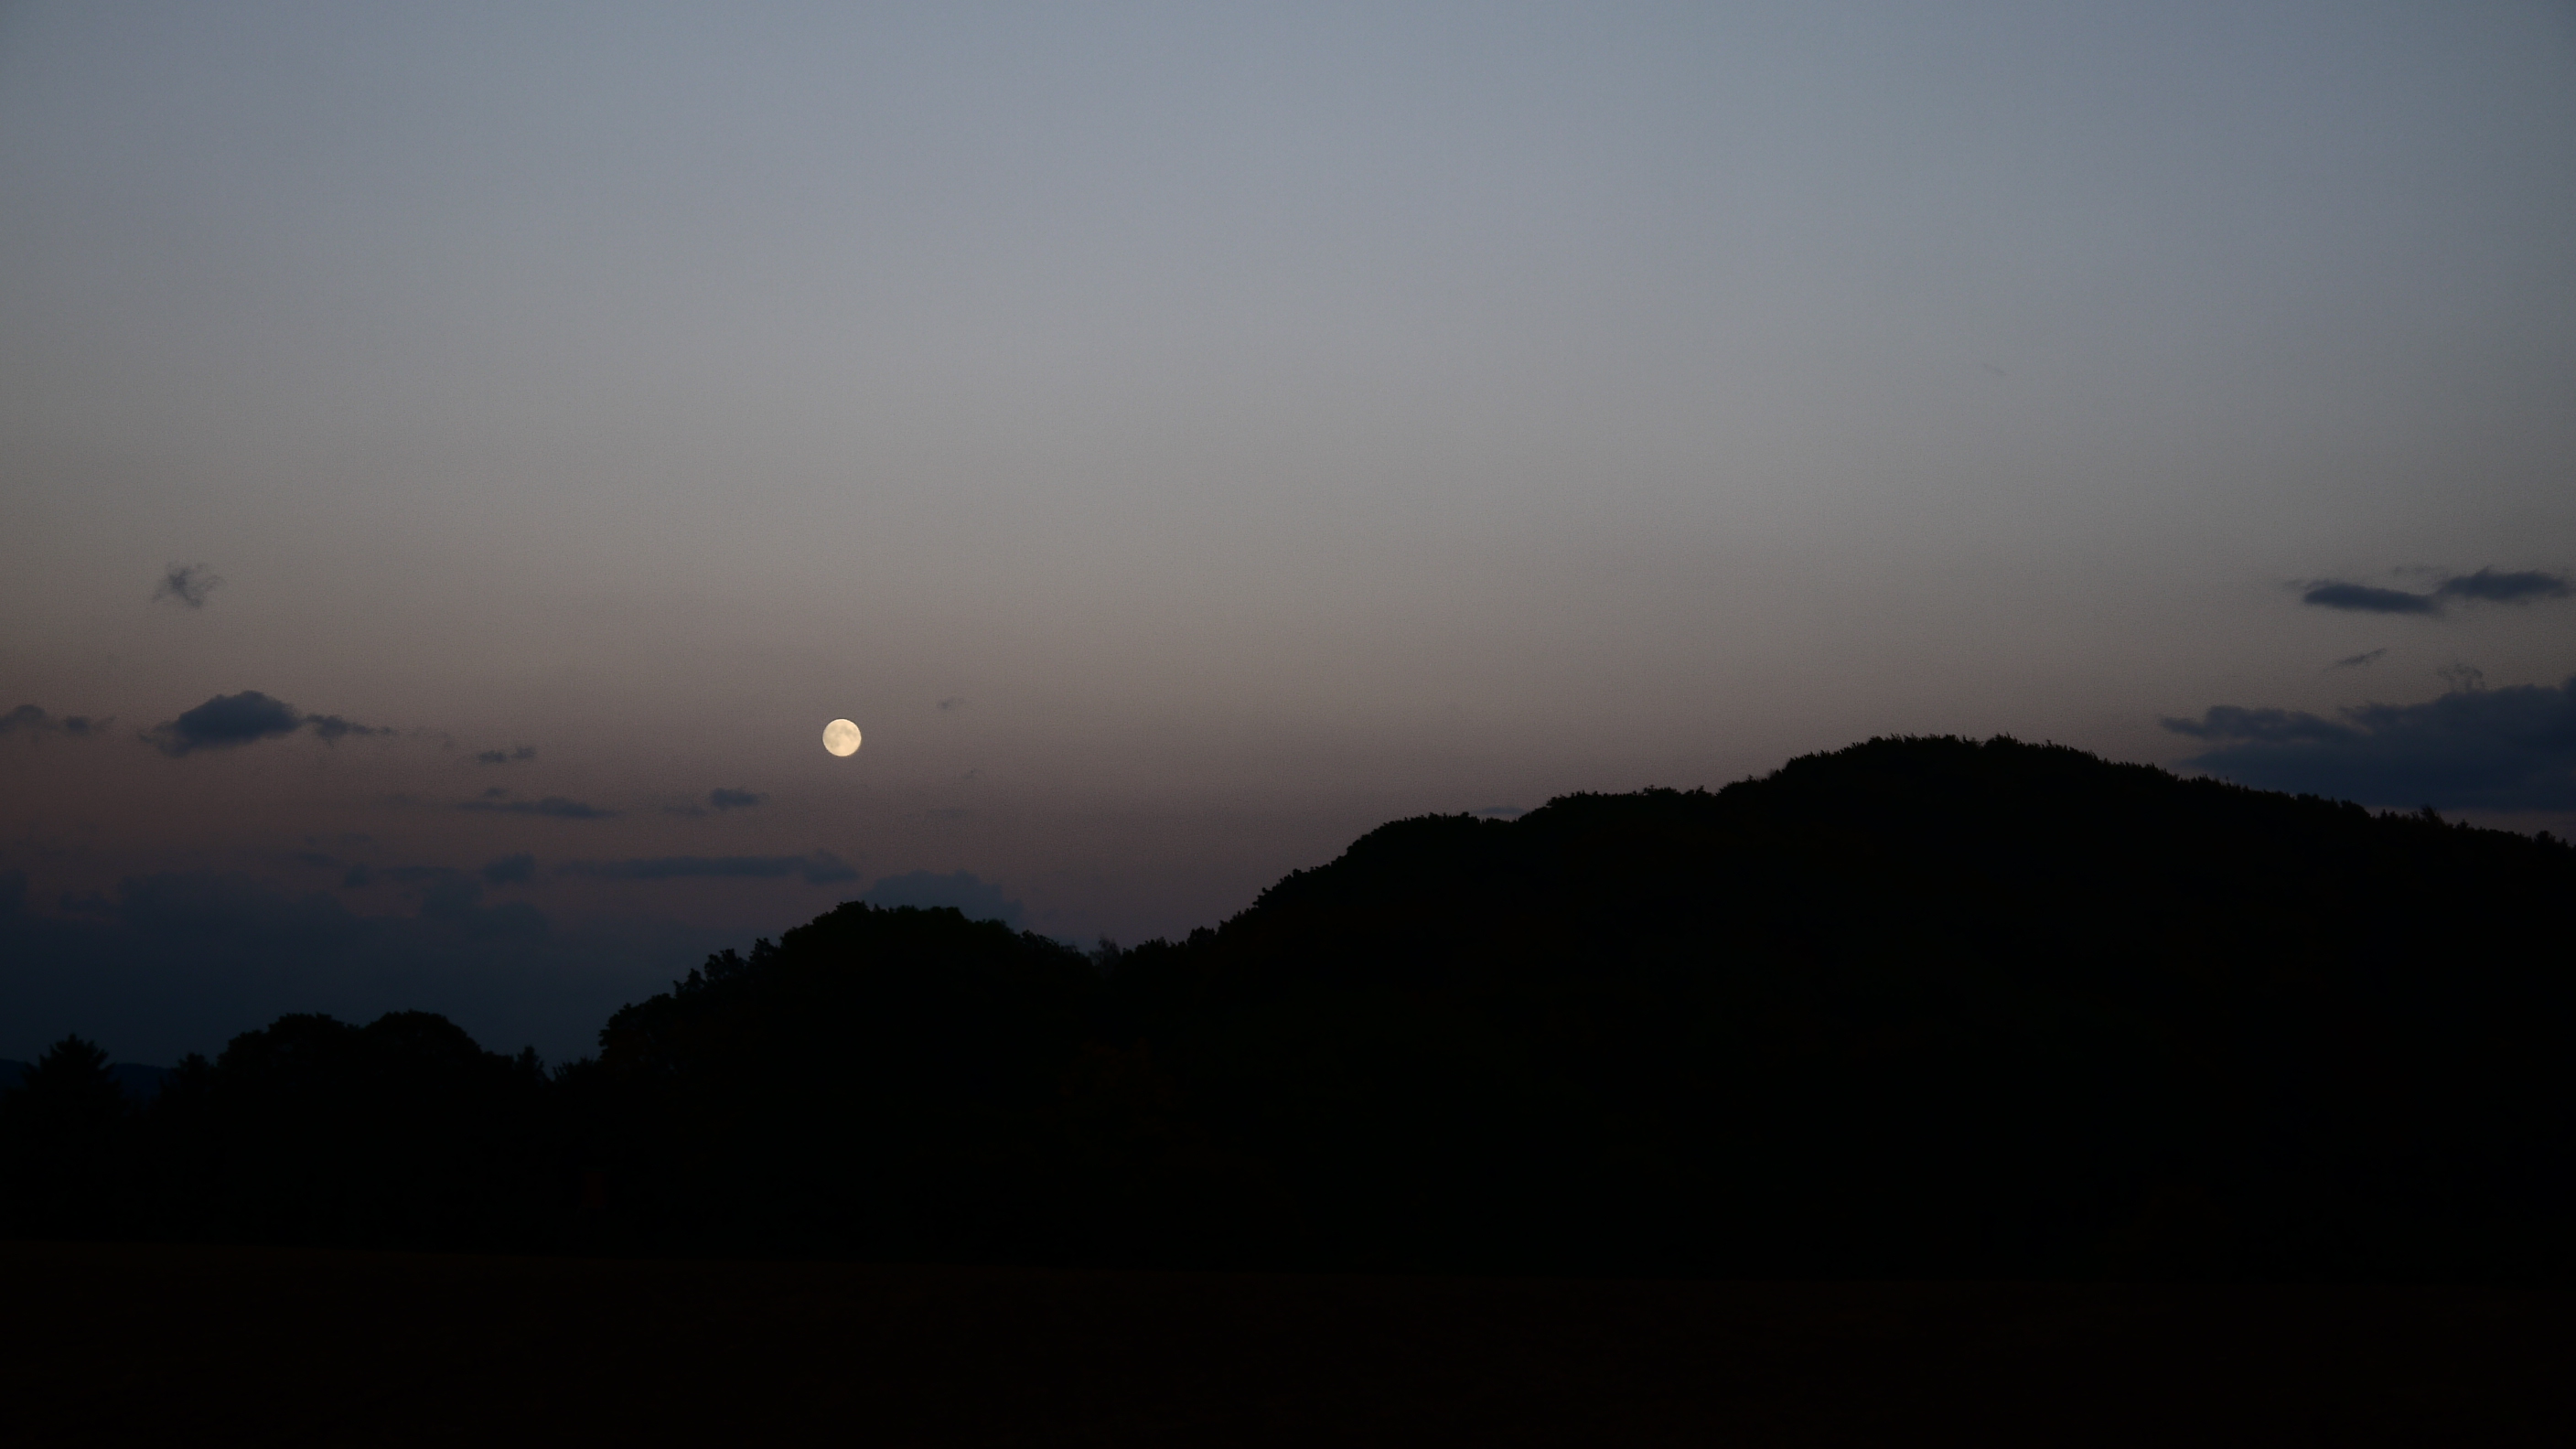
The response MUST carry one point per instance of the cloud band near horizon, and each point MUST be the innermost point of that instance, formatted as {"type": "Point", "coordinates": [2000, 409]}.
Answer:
{"type": "Point", "coordinates": [2505, 749]}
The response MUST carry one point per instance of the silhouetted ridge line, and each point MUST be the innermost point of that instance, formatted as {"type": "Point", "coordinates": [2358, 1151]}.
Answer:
{"type": "Point", "coordinates": [1919, 1007]}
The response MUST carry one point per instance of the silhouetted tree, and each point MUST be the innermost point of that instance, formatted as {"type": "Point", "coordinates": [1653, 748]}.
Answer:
{"type": "Point", "coordinates": [64, 1139]}
{"type": "Point", "coordinates": [401, 1132]}
{"type": "Point", "coordinates": [876, 1081]}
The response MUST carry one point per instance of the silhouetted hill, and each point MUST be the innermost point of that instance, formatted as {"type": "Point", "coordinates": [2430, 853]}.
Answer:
{"type": "Point", "coordinates": [1920, 1005]}
{"type": "Point", "coordinates": [1934, 845]}
{"type": "Point", "coordinates": [1917, 1008]}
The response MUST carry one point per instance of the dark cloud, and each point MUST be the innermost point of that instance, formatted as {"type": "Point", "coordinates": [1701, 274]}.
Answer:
{"type": "Point", "coordinates": [952, 702]}
{"type": "Point", "coordinates": [2355, 661]}
{"type": "Point", "coordinates": [980, 900]}
{"type": "Point", "coordinates": [27, 719]}
{"type": "Point", "coordinates": [2488, 586]}
{"type": "Point", "coordinates": [187, 584]}
{"type": "Point", "coordinates": [553, 806]}
{"type": "Point", "coordinates": [723, 799]}
{"type": "Point", "coordinates": [2504, 749]}
{"type": "Point", "coordinates": [2369, 600]}
{"type": "Point", "coordinates": [225, 721]}
{"type": "Point", "coordinates": [511, 870]}
{"type": "Point", "coordinates": [505, 757]}
{"type": "Point", "coordinates": [238, 719]}
{"type": "Point", "coordinates": [820, 868]}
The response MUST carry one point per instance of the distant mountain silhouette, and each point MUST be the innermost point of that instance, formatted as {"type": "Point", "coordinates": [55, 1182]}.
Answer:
{"type": "Point", "coordinates": [1920, 1007]}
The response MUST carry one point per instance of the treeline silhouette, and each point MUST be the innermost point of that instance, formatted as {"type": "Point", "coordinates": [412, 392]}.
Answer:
{"type": "Point", "coordinates": [1918, 1007]}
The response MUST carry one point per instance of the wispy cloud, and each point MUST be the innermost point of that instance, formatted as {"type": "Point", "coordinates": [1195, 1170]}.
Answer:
{"type": "Point", "coordinates": [719, 800]}
{"type": "Point", "coordinates": [820, 868]}
{"type": "Point", "coordinates": [27, 719]}
{"type": "Point", "coordinates": [554, 807]}
{"type": "Point", "coordinates": [2491, 587]}
{"type": "Point", "coordinates": [185, 584]}
{"type": "Point", "coordinates": [505, 757]}
{"type": "Point", "coordinates": [2356, 661]}
{"type": "Point", "coordinates": [331, 727]}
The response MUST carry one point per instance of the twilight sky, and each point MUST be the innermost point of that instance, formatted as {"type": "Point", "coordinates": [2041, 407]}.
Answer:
{"type": "Point", "coordinates": [1185, 437]}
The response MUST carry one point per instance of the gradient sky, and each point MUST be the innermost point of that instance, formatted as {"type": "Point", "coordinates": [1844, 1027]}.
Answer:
{"type": "Point", "coordinates": [1185, 437]}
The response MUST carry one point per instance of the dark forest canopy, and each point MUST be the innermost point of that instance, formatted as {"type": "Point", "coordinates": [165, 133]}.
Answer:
{"type": "Point", "coordinates": [1916, 1007]}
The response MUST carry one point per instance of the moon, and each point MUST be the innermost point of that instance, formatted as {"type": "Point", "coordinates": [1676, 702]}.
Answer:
{"type": "Point", "coordinates": [841, 737]}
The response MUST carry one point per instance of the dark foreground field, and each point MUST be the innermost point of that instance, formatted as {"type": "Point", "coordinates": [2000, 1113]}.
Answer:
{"type": "Point", "coordinates": [114, 1344]}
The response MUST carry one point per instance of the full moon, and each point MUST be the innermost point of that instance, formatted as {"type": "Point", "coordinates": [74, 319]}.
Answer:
{"type": "Point", "coordinates": [841, 737]}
